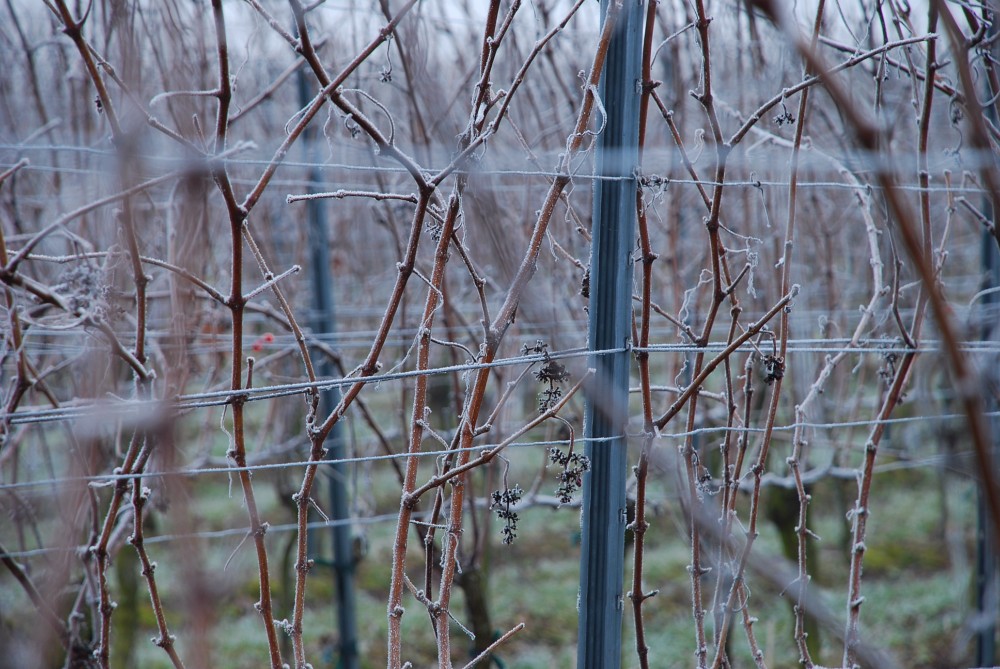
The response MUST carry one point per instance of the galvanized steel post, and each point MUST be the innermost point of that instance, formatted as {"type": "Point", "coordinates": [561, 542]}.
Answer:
{"type": "Point", "coordinates": [604, 513]}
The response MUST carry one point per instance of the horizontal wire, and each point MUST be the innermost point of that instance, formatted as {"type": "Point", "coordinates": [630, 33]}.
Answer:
{"type": "Point", "coordinates": [220, 397]}
{"type": "Point", "coordinates": [279, 344]}
{"type": "Point", "coordinates": [218, 534]}
{"type": "Point", "coordinates": [757, 156]}
{"type": "Point", "coordinates": [803, 346]}
{"type": "Point", "coordinates": [212, 344]}
{"type": "Point", "coordinates": [664, 181]}
{"type": "Point", "coordinates": [658, 181]}
{"type": "Point", "coordinates": [826, 426]}
{"type": "Point", "coordinates": [223, 397]}
{"type": "Point", "coordinates": [108, 479]}
{"type": "Point", "coordinates": [371, 520]}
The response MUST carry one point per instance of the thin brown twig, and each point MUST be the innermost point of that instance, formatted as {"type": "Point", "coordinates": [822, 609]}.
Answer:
{"type": "Point", "coordinates": [407, 501]}
{"type": "Point", "coordinates": [750, 332]}
{"type": "Point", "coordinates": [330, 89]}
{"type": "Point", "coordinates": [965, 384]}
{"type": "Point", "coordinates": [986, 156]}
{"type": "Point", "coordinates": [493, 646]}
{"type": "Point", "coordinates": [802, 531]}
{"type": "Point", "coordinates": [165, 640]}
{"type": "Point", "coordinates": [236, 302]}
{"type": "Point", "coordinates": [639, 525]}
{"type": "Point", "coordinates": [502, 321]}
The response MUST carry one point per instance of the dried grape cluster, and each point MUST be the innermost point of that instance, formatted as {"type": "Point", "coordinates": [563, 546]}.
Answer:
{"type": "Point", "coordinates": [502, 501]}
{"type": "Point", "coordinates": [571, 477]}
{"type": "Point", "coordinates": [552, 373]}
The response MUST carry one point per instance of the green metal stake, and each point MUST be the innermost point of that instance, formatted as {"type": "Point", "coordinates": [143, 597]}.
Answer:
{"type": "Point", "coordinates": [987, 583]}
{"type": "Point", "coordinates": [604, 514]}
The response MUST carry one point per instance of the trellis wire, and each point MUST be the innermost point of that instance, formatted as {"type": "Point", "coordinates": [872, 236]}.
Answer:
{"type": "Point", "coordinates": [383, 518]}
{"type": "Point", "coordinates": [740, 183]}
{"type": "Point", "coordinates": [296, 464]}
{"type": "Point", "coordinates": [223, 397]}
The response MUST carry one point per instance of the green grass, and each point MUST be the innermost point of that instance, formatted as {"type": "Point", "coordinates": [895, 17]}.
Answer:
{"type": "Point", "coordinates": [915, 606]}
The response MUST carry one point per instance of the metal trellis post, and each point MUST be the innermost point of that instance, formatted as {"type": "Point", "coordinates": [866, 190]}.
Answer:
{"type": "Point", "coordinates": [604, 512]}
{"type": "Point", "coordinates": [987, 590]}
{"type": "Point", "coordinates": [322, 324]}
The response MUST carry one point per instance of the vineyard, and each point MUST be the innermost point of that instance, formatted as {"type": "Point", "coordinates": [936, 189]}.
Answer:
{"type": "Point", "coordinates": [537, 333]}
